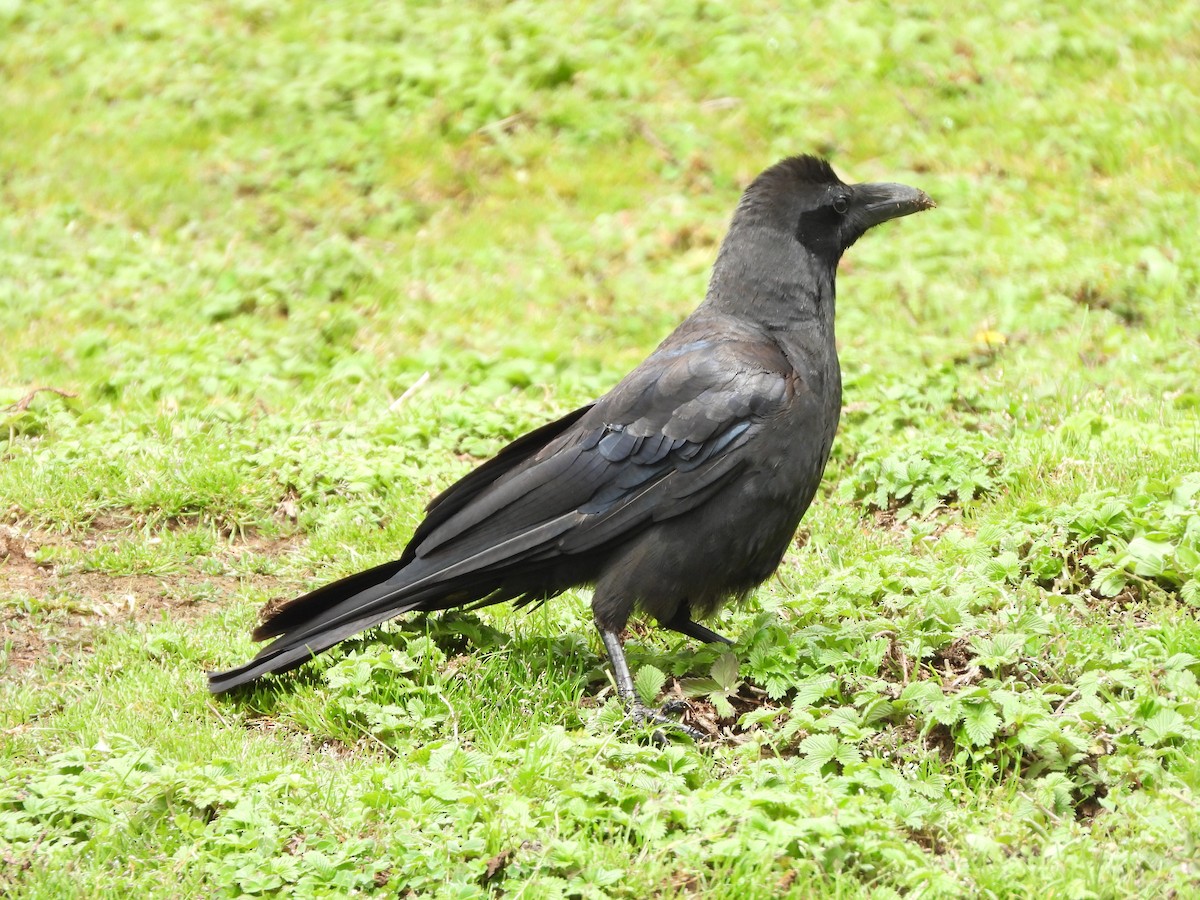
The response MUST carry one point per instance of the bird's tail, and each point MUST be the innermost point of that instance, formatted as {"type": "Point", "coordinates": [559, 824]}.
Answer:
{"type": "Point", "coordinates": [316, 621]}
{"type": "Point", "coordinates": [482, 572]}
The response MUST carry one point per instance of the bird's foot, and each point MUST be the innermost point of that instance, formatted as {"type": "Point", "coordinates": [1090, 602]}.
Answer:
{"type": "Point", "coordinates": [674, 706]}
{"type": "Point", "coordinates": [639, 711]}
{"type": "Point", "coordinates": [642, 714]}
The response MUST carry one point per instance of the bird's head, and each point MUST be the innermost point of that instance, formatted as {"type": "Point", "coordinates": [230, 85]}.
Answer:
{"type": "Point", "coordinates": [803, 196]}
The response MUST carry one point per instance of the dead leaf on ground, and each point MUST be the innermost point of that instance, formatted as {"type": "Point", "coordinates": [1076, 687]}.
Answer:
{"type": "Point", "coordinates": [495, 866]}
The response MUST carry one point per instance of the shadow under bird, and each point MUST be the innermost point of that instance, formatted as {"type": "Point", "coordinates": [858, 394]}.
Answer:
{"type": "Point", "coordinates": [679, 489]}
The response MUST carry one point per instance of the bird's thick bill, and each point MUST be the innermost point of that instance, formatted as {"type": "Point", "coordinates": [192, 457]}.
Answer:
{"type": "Point", "coordinates": [879, 202]}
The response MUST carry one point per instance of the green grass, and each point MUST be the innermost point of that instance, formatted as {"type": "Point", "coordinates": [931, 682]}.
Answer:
{"type": "Point", "coordinates": [238, 233]}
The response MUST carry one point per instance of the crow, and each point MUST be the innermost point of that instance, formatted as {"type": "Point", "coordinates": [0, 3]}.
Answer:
{"type": "Point", "coordinates": [679, 489]}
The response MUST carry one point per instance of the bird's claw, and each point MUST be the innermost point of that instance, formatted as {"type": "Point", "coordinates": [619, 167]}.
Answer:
{"type": "Point", "coordinates": [642, 714]}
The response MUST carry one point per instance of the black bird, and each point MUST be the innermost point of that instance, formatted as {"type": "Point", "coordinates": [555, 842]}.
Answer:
{"type": "Point", "coordinates": [678, 489]}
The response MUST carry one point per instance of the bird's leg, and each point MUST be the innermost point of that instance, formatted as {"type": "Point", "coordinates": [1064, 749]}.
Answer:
{"type": "Point", "coordinates": [628, 694]}
{"type": "Point", "coordinates": [682, 623]}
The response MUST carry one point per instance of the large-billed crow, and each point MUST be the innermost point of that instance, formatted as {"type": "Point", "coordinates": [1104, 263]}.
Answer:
{"type": "Point", "coordinates": [678, 489]}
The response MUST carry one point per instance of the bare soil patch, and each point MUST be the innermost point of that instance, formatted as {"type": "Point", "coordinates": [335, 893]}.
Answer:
{"type": "Point", "coordinates": [45, 612]}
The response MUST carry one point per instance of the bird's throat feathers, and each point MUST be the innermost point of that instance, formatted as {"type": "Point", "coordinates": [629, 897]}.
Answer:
{"type": "Point", "coordinates": [763, 274]}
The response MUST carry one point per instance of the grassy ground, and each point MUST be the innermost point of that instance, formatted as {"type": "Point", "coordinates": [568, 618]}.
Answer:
{"type": "Point", "coordinates": [295, 267]}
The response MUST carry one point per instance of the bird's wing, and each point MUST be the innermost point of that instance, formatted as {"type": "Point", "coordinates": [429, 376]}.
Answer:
{"type": "Point", "coordinates": [655, 446]}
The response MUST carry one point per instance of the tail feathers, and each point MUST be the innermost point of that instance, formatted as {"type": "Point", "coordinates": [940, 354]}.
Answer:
{"type": "Point", "coordinates": [288, 652]}
{"type": "Point", "coordinates": [301, 611]}
{"type": "Point", "coordinates": [315, 622]}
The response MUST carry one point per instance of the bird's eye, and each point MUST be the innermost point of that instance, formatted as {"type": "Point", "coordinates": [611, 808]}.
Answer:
{"type": "Point", "coordinates": [840, 205]}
